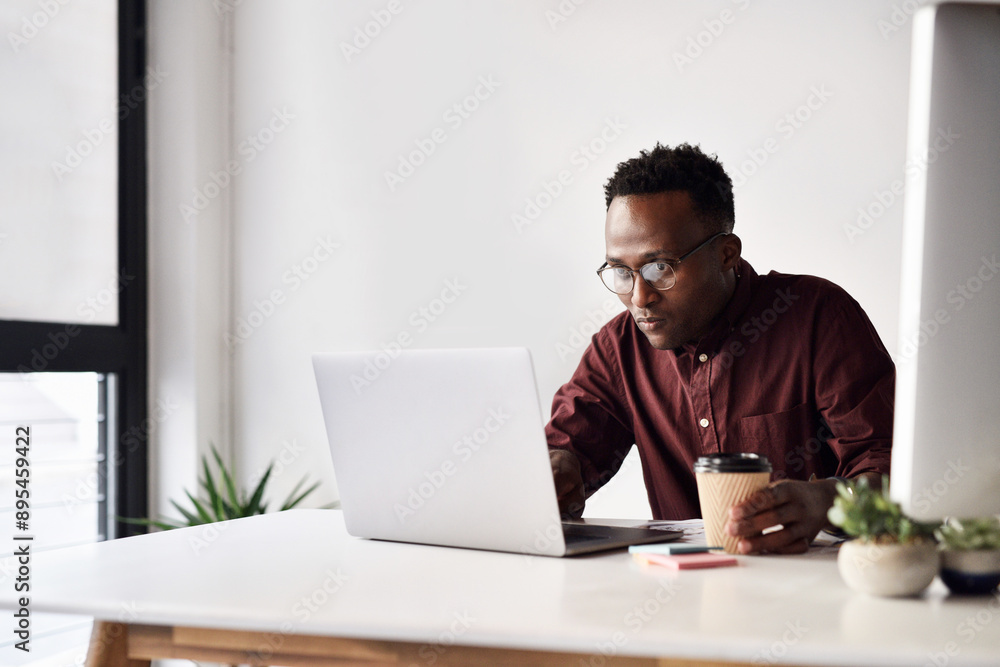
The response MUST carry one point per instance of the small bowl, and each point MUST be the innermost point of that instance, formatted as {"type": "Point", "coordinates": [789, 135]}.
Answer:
{"type": "Point", "coordinates": [975, 572]}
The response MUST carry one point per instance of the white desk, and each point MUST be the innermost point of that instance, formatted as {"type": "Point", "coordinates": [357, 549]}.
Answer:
{"type": "Point", "coordinates": [291, 582]}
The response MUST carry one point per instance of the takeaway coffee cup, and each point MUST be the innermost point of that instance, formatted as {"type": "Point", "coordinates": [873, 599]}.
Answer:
{"type": "Point", "coordinates": [725, 480]}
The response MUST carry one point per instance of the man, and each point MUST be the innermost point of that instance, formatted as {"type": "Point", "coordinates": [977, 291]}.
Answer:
{"type": "Point", "coordinates": [711, 357]}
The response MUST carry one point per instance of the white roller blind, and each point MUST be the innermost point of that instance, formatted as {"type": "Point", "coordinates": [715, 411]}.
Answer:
{"type": "Point", "coordinates": [59, 115]}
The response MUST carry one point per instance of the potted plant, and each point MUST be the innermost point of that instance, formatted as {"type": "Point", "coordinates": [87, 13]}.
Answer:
{"type": "Point", "coordinates": [891, 555]}
{"type": "Point", "coordinates": [970, 556]}
{"type": "Point", "coordinates": [224, 501]}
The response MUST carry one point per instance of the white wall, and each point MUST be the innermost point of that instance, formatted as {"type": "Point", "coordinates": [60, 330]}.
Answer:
{"type": "Point", "coordinates": [315, 131]}
{"type": "Point", "coordinates": [190, 274]}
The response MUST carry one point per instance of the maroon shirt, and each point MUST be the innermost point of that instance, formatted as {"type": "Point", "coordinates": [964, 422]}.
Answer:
{"type": "Point", "coordinates": [792, 369]}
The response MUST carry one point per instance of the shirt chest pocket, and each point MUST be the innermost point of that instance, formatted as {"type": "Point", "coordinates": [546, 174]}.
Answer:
{"type": "Point", "coordinates": [777, 435]}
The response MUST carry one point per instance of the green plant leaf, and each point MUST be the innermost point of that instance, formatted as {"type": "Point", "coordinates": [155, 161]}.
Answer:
{"type": "Point", "coordinates": [192, 519]}
{"type": "Point", "coordinates": [224, 501]}
{"type": "Point", "coordinates": [290, 502]}
{"type": "Point", "coordinates": [254, 506]}
{"type": "Point", "coordinates": [214, 497]}
{"type": "Point", "coordinates": [868, 513]}
{"type": "Point", "coordinates": [202, 512]}
{"type": "Point", "coordinates": [230, 486]}
{"type": "Point", "coordinates": [970, 534]}
{"type": "Point", "coordinates": [164, 525]}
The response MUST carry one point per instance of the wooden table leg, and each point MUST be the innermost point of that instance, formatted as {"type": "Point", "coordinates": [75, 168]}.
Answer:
{"type": "Point", "coordinates": [109, 646]}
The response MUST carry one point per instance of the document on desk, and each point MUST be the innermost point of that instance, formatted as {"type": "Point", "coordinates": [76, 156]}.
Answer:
{"type": "Point", "coordinates": [693, 529]}
{"type": "Point", "coordinates": [694, 533]}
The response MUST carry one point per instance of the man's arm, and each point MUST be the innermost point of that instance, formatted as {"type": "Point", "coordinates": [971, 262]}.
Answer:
{"type": "Point", "coordinates": [570, 490]}
{"type": "Point", "coordinates": [855, 381]}
{"type": "Point", "coordinates": [589, 433]}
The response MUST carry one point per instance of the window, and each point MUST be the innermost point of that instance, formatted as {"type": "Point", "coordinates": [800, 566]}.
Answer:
{"type": "Point", "coordinates": [73, 252]}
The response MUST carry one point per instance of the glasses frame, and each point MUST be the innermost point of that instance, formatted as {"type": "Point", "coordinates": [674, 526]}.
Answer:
{"type": "Point", "coordinates": [674, 263]}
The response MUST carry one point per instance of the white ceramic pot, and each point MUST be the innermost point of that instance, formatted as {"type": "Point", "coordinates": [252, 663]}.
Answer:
{"type": "Point", "coordinates": [974, 572]}
{"type": "Point", "coordinates": [888, 570]}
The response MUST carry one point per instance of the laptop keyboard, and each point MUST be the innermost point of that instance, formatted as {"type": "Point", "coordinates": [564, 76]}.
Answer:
{"type": "Point", "coordinates": [579, 532]}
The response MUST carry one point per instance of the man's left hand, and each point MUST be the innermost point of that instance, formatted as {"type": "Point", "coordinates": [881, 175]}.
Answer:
{"type": "Point", "coordinates": [799, 507]}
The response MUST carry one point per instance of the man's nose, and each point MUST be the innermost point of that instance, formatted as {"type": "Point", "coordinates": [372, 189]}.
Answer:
{"type": "Point", "coordinates": [642, 293]}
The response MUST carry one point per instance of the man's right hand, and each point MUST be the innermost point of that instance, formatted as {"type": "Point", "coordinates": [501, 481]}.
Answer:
{"type": "Point", "coordinates": [569, 482]}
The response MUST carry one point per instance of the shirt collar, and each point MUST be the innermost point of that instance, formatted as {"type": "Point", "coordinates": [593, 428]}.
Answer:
{"type": "Point", "coordinates": [726, 321]}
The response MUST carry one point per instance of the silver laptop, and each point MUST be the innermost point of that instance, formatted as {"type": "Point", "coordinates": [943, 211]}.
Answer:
{"type": "Point", "coordinates": [447, 447]}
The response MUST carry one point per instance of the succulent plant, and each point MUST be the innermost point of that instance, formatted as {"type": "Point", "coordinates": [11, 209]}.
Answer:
{"type": "Point", "coordinates": [970, 534]}
{"type": "Point", "coordinates": [869, 514]}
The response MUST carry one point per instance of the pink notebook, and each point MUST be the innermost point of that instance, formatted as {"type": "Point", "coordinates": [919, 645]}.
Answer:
{"type": "Point", "coordinates": [687, 561]}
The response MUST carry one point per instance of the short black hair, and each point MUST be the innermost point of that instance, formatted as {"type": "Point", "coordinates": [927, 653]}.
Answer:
{"type": "Point", "coordinates": [686, 168]}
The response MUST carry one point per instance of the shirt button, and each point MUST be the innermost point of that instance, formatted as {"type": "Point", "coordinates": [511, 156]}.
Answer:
{"type": "Point", "coordinates": [703, 422]}
{"type": "Point", "coordinates": [703, 357]}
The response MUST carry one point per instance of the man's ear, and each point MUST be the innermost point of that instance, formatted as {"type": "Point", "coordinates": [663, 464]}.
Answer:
{"type": "Point", "coordinates": [732, 248]}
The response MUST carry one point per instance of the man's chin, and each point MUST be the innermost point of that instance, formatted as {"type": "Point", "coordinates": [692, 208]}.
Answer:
{"type": "Point", "coordinates": [661, 341]}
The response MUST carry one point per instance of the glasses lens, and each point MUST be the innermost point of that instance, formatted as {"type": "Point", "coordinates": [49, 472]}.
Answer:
{"type": "Point", "coordinates": [617, 280]}
{"type": "Point", "coordinates": [658, 274]}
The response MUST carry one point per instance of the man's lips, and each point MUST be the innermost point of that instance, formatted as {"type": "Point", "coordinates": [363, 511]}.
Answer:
{"type": "Point", "coordinates": [650, 323]}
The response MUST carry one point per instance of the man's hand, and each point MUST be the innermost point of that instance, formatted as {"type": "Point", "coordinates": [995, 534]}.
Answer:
{"type": "Point", "coordinates": [569, 482]}
{"type": "Point", "coordinates": [800, 507]}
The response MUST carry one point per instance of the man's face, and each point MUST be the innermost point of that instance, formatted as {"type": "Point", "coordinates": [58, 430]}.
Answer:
{"type": "Point", "coordinates": [643, 228]}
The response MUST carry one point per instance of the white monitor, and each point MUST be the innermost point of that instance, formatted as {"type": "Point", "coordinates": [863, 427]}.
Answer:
{"type": "Point", "coordinates": [946, 449]}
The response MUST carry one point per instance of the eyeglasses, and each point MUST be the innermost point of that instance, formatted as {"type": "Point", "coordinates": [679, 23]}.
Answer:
{"type": "Point", "coordinates": [659, 275]}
